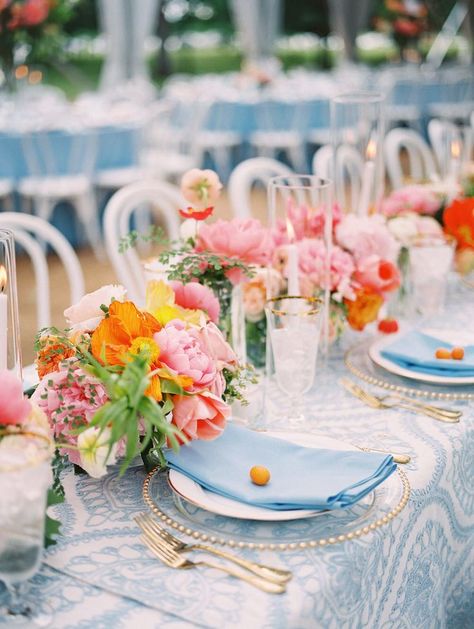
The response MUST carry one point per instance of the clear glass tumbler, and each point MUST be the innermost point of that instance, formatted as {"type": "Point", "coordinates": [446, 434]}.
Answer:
{"type": "Point", "coordinates": [430, 261]}
{"type": "Point", "coordinates": [25, 476]}
{"type": "Point", "coordinates": [294, 326]}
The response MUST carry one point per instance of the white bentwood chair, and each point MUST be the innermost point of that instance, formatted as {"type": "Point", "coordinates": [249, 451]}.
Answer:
{"type": "Point", "coordinates": [421, 162]}
{"type": "Point", "coordinates": [164, 199]}
{"type": "Point", "coordinates": [349, 166]}
{"type": "Point", "coordinates": [246, 175]}
{"type": "Point", "coordinates": [28, 230]}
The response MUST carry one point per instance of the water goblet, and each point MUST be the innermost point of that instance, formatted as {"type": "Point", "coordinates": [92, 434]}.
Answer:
{"type": "Point", "coordinates": [294, 325]}
{"type": "Point", "coordinates": [25, 476]}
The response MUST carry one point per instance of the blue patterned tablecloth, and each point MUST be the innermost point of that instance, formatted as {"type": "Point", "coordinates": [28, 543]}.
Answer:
{"type": "Point", "coordinates": [417, 572]}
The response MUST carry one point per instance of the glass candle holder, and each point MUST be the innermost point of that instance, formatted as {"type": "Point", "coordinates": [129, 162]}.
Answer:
{"type": "Point", "coordinates": [357, 133]}
{"type": "Point", "coordinates": [10, 351]}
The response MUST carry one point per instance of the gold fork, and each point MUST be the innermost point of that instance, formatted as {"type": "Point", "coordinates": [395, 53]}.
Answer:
{"type": "Point", "coordinates": [173, 559]}
{"type": "Point", "coordinates": [384, 402]}
{"type": "Point", "coordinates": [149, 526]}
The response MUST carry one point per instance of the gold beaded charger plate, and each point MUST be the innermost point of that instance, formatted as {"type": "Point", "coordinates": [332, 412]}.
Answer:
{"type": "Point", "coordinates": [189, 490]}
{"type": "Point", "coordinates": [359, 362]}
{"type": "Point", "coordinates": [330, 527]}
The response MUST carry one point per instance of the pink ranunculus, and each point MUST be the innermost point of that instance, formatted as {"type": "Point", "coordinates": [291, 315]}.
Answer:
{"type": "Point", "coordinates": [14, 407]}
{"type": "Point", "coordinates": [307, 222]}
{"type": "Point", "coordinates": [419, 199]}
{"type": "Point", "coordinates": [201, 187]}
{"type": "Point", "coordinates": [241, 239]}
{"type": "Point", "coordinates": [380, 275]}
{"type": "Point", "coordinates": [201, 416]}
{"type": "Point", "coordinates": [34, 12]}
{"type": "Point", "coordinates": [70, 398]}
{"type": "Point", "coordinates": [183, 352]}
{"type": "Point", "coordinates": [364, 236]}
{"type": "Point", "coordinates": [214, 344]}
{"type": "Point", "coordinates": [197, 297]}
{"type": "Point", "coordinates": [312, 266]}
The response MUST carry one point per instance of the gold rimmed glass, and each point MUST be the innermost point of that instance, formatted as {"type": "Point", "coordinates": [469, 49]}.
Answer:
{"type": "Point", "coordinates": [293, 324]}
{"type": "Point", "coordinates": [25, 476]}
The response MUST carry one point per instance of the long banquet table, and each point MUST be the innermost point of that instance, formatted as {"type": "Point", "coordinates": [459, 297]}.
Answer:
{"type": "Point", "coordinates": [415, 572]}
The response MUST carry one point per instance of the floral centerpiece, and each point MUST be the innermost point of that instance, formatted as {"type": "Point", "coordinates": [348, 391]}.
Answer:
{"type": "Point", "coordinates": [33, 24]}
{"type": "Point", "coordinates": [121, 380]}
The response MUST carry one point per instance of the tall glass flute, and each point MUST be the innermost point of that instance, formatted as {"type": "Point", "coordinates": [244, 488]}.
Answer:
{"type": "Point", "coordinates": [294, 326]}
{"type": "Point", "coordinates": [357, 133]}
{"type": "Point", "coordinates": [25, 476]}
{"type": "Point", "coordinates": [10, 354]}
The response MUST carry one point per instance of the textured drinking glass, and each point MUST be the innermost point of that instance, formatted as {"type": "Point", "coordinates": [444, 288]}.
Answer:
{"type": "Point", "coordinates": [25, 476]}
{"type": "Point", "coordinates": [431, 260]}
{"type": "Point", "coordinates": [294, 327]}
{"type": "Point", "coordinates": [300, 216]}
{"type": "Point", "coordinates": [357, 133]}
{"type": "Point", "coordinates": [10, 352]}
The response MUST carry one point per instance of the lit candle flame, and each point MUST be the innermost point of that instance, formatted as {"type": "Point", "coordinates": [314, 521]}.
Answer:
{"type": "Point", "coordinates": [290, 231]}
{"type": "Point", "coordinates": [371, 151]}
{"type": "Point", "coordinates": [455, 149]}
{"type": "Point", "coordinates": [3, 279]}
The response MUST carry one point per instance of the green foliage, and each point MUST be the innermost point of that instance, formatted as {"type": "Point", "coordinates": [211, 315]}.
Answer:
{"type": "Point", "coordinates": [52, 526]}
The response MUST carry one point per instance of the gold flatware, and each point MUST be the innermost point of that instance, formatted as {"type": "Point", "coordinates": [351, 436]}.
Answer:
{"type": "Point", "coordinates": [402, 459]}
{"type": "Point", "coordinates": [388, 401]}
{"type": "Point", "coordinates": [173, 559]}
{"type": "Point", "coordinates": [150, 527]}
{"type": "Point", "coordinates": [441, 410]}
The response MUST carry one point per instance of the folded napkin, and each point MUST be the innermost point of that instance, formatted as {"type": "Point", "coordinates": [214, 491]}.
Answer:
{"type": "Point", "coordinates": [301, 478]}
{"type": "Point", "coordinates": [415, 350]}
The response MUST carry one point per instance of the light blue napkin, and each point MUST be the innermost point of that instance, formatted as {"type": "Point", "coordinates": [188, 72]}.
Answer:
{"type": "Point", "coordinates": [301, 478]}
{"type": "Point", "coordinates": [415, 350]}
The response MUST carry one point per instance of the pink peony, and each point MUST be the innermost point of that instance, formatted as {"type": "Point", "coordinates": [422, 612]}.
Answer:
{"type": "Point", "coordinates": [215, 345]}
{"type": "Point", "coordinates": [241, 239]}
{"type": "Point", "coordinates": [70, 398]}
{"type": "Point", "coordinates": [201, 416]}
{"type": "Point", "coordinates": [183, 352]}
{"type": "Point", "coordinates": [14, 408]}
{"type": "Point", "coordinates": [417, 199]}
{"type": "Point", "coordinates": [365, 236]}
{"type": "Point", "coordinates": [196, 297]}
{"type": "Point", "coordinates": [312, 265]}
{"type": "Point", "coordinates": [380, 275]}
{"type": "Point", "coordinates": [201, 187]}
{"type": "Point", "coordinates": [307, 222]}
{"type": "Point", "coordinates": [34, 12]}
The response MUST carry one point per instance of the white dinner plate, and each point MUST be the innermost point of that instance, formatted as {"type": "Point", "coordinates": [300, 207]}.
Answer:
{"type": "Point", "coordinates": [375, 353]}
{"type": "Point", "coordinates": [191, 491]}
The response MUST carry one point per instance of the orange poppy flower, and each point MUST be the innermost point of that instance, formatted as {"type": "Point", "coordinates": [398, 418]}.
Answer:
{"type": "Point", "coordinates": [364, 309]}
{"type": "Point", "coordinates": [127, 331]}
{"type": "Point", "coordinates": [458, 219]}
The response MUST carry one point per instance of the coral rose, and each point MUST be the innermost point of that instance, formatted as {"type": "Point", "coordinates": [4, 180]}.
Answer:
{"type": "Point", "coordinates": [195, 296]}
{"type": "Point", "coordinates": [364, 309]}
{"type": "Point", "coordinates": [34, 12]}
{"type": "Point", "coordinates": [14, 408]}
{"type": "Point", "coordinates": [380, 275]}
{"type": "Point", "coordinates": [201, 416]}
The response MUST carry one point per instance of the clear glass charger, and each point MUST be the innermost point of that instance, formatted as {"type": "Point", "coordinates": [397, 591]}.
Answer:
{"type": "Point", "coordinates": [386, 502]}
{"type": "Point", "coordinates": [358, 362]}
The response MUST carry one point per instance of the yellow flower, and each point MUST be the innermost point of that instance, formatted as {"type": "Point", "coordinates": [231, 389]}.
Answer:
{"type": "Point", "coordinates": [160, 302]}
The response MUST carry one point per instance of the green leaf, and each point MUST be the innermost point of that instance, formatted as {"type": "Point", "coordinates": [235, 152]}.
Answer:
{"type": "Point", "coordinates": [52, 526]}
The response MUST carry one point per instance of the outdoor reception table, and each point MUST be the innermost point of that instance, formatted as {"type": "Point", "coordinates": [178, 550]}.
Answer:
{"type": "Point", "coordinates": [415, 571]}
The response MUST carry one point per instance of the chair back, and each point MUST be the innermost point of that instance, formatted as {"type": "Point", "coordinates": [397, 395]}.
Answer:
{"type": "Point", "coordinates": [447, 142]}
{"type": "Point", "coordinates": [31, 233]}
{"type": "Point", "coordinates": [245, 175]}
{"type": "Point", "coordinates": [421, 163]}
{"type": "Point", "coordinates": [349, 166]}
{"type": "Point", "coordinates": [164, 199]}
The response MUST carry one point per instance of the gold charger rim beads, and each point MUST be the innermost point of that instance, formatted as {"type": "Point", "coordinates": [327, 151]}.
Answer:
{"type": "Point", "coordinates": [303, 545]}
{"type": "Point", "coordinates": [397, 388]}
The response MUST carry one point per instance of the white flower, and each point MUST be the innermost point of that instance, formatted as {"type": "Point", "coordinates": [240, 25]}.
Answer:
{"type": "Point", "coordinates": [94, 448]}
{"type": "Point", "coordinates": [86, 315]}
{"type": "Point", "coordinates": [188, 229]}
{"type": "Point", "coordinates": [403, 228]}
